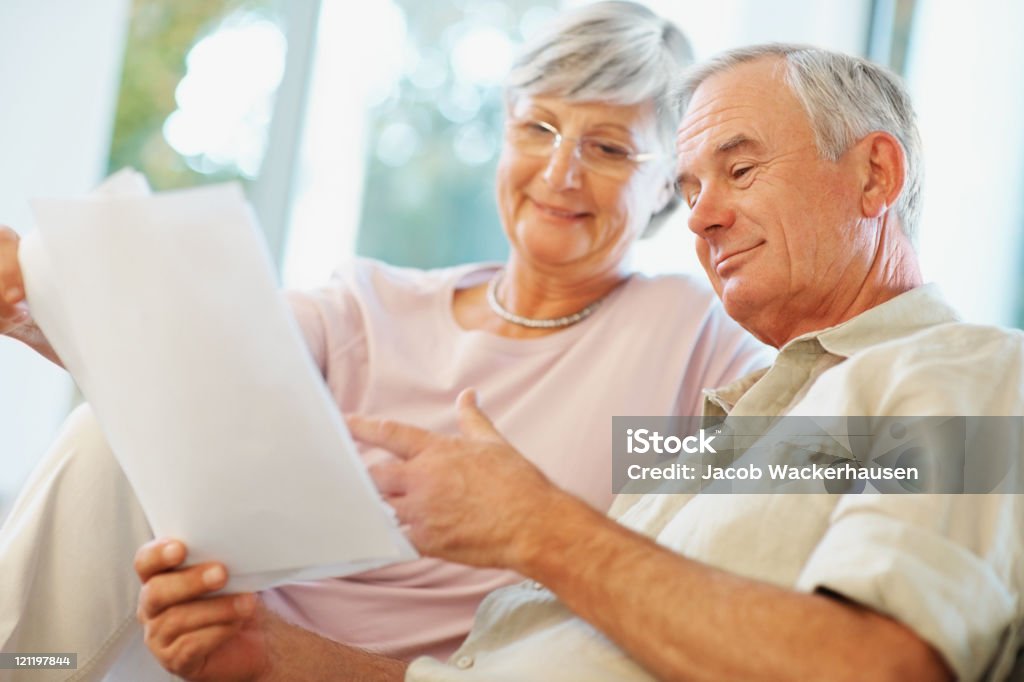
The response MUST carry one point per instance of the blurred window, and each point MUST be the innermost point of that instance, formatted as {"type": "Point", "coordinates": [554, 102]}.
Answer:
{"type": "Point", "coordinates": [197, 90]}
{"type": "Point", "coordinates": [403, 133]}
{"type": "Point", "coordinates": [394, 154]}
{"type": "Point", "coordinates": [964, 67]}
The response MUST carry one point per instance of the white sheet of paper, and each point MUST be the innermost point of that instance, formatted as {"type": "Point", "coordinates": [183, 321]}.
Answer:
{"type": "Point", "coordinates": [165, 310]}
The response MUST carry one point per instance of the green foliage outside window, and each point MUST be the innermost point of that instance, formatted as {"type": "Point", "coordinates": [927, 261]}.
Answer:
{"type": "Point", "coordinates": [159, 38]}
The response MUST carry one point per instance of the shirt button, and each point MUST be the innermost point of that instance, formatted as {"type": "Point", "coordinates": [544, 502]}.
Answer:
{"type": "Point", "coordinates": [464, 662]}
{"type": "Point", "coordinates": [537, 585]}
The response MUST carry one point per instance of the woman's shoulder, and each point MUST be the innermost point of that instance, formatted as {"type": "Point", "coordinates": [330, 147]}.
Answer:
{"type": "Point", "coordinates": [672, 290]}
{"type": "Point", "coordinates": [676, 304]}
{"type": "Point", "coordinates": [362, 280]}
{"type": "Point", "coordinates": [368, 276]}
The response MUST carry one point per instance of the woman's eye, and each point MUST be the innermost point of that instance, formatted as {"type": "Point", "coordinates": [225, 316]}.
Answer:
{"type": "Point", "coordinates": [536, 128]}
{"type": "Point", "coordinates": [607, 150]}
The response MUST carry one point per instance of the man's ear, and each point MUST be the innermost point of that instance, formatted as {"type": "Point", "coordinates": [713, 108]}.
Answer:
{"type": "Point", "coordinates": [885, 172]}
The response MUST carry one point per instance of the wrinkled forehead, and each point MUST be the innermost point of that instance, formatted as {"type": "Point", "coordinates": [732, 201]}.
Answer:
{"type": "Point", "coordinates": [751, 101]}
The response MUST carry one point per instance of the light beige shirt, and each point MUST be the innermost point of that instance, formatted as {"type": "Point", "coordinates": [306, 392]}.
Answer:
{"type": "Point", "coordinates": [950, 567]}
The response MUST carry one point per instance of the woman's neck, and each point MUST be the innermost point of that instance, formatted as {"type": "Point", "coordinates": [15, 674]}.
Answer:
{"type": "Point", "coordinates": [530, 294]}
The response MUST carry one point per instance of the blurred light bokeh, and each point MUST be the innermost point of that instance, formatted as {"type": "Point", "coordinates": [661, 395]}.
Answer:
{"type": "Point", "coordinates": [226, 97]}
{"type": "Point", "coordinates": [197, 90]}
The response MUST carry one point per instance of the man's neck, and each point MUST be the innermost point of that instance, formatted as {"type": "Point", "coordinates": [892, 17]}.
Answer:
{"type": "Point", "coordinates": [895, 270]}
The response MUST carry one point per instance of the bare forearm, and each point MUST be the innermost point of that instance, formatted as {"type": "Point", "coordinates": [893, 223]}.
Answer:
{"type": "Point", "coordinates": [684, 620]}
{"type": "Point", "coordinates": [298, 655]}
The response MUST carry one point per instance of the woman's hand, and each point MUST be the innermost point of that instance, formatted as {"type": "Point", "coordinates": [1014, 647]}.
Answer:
{"type": "Point", "coordinates": [13, 311]}
{"type": "Point", "coordinates": [191, 634]}
{"type": "Point", "coordinates": [233, 638]}
{"type": "Point", "coordinates": [15, 319]}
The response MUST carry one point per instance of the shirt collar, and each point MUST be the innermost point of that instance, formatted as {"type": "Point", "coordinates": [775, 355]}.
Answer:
{"type": "Point", "coordinates": [901, 316]}
{"type": "Point", "coordinates": [719, 402]}
{"type": "Point", "coordinates": [910, 312]}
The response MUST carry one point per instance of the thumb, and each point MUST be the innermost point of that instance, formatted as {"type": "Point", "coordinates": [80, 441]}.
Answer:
{"type": "Point", "coordinates": [472, 421]}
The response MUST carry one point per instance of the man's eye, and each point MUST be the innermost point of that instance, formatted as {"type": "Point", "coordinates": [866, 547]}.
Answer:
{"type": "Point", "coordinates": [691, 199]}
{"type": "Point", "coordinates": [740, 171]}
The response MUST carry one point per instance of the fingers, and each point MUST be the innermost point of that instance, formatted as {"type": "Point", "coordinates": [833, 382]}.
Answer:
{"type": "Point", "coordinates": [186, 641]}
{"type": "Point", "coordinates": [164, 590]}
{"type": "Point", "coordinates": [404, 510]}
{"type": "Point", "coordinates": [390, 479]}
{"type": "Point", "coordinates": [13, 317]}
{"type": "Point", "coordinates": [178, 622]}
{"type": "Point", "coordinates": [187, 655]}
{"type": "Point", "coordinates": [12, 288]}
{"type": "Point", "coordinates": [406, 441]}
{"type": "Point", "coordinates": [164, 587]}
{"type": "Point", "coordinates": [403, 440]}
{"type": "Point", "coordinates": [472, 421]}
{"type": "Point", "coordinates": [157, 556]}
{"type": "Point", "coordinates": [184, 626]}
{"type": "Point", "coordinates": [13, 312]}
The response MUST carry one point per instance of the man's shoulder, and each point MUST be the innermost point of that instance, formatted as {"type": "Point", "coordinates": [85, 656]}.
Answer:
{"type": "Point", "coordinates": [958, 344]}
{"type": "Point", "coordinates": [951, 368]}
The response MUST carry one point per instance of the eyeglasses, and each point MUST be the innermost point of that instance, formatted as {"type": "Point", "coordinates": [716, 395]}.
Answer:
{"type": "Point", "coordinates": [600, 154]}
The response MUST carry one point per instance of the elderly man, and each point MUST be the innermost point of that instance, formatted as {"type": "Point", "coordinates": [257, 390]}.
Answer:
{"type": "Point", "coordinates": [802, 174]}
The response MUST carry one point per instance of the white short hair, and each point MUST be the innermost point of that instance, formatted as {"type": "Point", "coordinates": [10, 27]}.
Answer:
{"type": "Point", "coordinates": [615, 52]}
{"type": "Point", "coordinates": [845, 98]}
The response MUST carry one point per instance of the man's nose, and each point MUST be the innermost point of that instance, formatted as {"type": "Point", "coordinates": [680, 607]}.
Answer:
{"type": "Point", "coordinates": [712, 210]}
{"type": "Point", "coordinates": [563, 169]}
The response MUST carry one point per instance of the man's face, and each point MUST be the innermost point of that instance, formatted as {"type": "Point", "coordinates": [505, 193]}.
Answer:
{"type": "Point", "coordinates": [776, 224]}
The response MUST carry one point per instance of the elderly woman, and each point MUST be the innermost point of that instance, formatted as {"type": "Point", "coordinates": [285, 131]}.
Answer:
{"type": "Point", "coordinates": [556, 340]}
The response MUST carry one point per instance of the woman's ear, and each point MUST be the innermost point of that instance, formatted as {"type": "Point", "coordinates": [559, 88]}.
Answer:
{"type": "Point", "coordinates": [885, 172]}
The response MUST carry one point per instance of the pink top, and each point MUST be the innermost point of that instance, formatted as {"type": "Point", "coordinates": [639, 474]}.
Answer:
{"type": "Point", "coordinates": [388, 345]}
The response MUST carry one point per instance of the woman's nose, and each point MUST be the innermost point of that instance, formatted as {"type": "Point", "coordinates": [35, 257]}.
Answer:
{"type": "Point", "coordinates": [563, 169]}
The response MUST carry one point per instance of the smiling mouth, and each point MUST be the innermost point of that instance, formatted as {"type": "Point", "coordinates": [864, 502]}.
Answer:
{"type": "Point", "coordinates": [559, 213]}
{"type": "Point", "coordinates": [730, 258]}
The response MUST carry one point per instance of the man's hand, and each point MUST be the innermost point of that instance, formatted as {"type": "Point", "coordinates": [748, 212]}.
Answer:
{"type": "Point", "coordinates": [13, 311]}
{"type": "Point", "coordinates": [191, 634]}
{"type": "Point", "coordinates": [472, 499]}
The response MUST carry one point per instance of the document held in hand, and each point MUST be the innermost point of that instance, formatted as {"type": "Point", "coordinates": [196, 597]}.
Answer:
{"type": "Point", "coordinates": [165, 310]}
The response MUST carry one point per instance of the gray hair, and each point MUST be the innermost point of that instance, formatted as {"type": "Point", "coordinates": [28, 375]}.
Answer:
{"type": "Point", "coordinates": [615, 52]}
{"type": "Point", "coordinates": [845, 99]}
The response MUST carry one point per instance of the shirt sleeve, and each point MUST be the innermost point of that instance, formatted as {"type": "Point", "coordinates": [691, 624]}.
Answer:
{"type": "Point", "coordinates": [939, 564]}
{"type": "Point", "coordinates": [950, 567]}
{"type": "Point", "coordinates": [328, 318]}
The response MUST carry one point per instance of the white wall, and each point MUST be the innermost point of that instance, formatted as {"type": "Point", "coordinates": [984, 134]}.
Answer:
{"type": "Point", "coordinates": [966, 75]}
{"type": "Point", "coordinates": [60, 63]}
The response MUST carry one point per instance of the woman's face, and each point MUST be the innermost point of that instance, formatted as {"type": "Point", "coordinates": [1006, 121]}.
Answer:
{"type": "Point", "coordinates": [559, 213]}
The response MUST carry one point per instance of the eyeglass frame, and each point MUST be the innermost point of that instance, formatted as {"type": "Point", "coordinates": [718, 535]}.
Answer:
{"type": "Point", "coordinates": [577, 152]}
